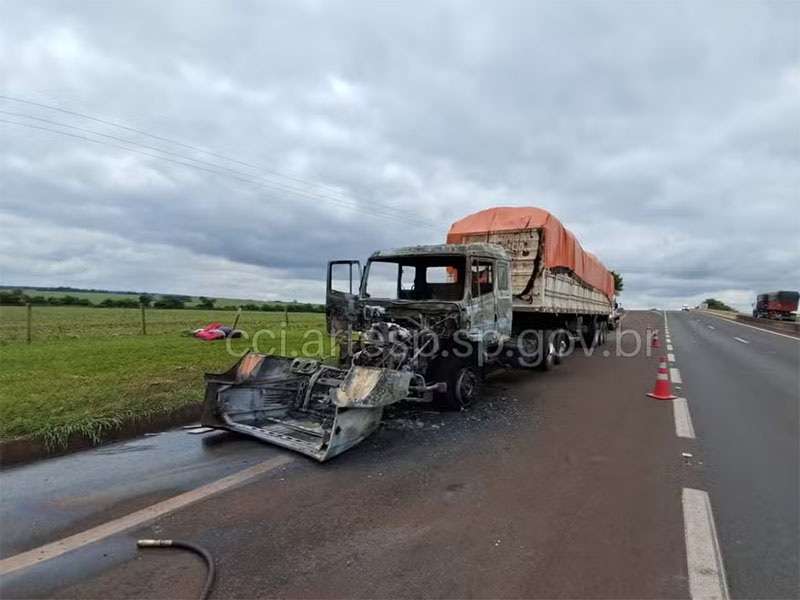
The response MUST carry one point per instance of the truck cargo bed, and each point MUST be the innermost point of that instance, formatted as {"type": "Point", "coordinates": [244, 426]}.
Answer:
{"type": "Point", "coordinates": [538, 289]}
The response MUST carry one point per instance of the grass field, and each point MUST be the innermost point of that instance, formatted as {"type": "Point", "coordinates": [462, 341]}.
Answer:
{"type": "Point", "coordinates": [91, 369]}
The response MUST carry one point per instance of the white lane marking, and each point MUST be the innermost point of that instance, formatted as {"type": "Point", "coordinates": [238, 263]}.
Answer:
{"type": "Point", "coordinates": [710, 326]}
{"type": "Point", "coordinates": [669, 347]}
{"type": "Point", "coordinates": [791, 337]}
{"type": "Point", "coordinates": [741, 340]}
{"type": "Point", "coordinates": [683, 419]}
{"type": "Point", "coordinates": [95, 534]}
{"type": "Point", "coordinates": [675, 375]}
{"type": "Point", "coordinates": [670, 357]}
{"type": "Point", "coordinates": [703, 556]}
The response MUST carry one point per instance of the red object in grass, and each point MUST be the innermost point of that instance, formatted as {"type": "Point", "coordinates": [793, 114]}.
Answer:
{"type": "Point", "coordinates": [211, 332]}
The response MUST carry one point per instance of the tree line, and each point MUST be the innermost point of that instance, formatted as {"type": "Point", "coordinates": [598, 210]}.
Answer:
{"type": "Point", "coordinates": [18, 297]}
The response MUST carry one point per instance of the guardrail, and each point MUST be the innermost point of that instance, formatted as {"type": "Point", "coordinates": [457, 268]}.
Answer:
{"type": "Point", "coordinates": [787, 327]}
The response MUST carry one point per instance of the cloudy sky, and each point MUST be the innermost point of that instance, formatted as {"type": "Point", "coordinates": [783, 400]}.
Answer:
{"type": "Point", "coordinates": [237, 146]}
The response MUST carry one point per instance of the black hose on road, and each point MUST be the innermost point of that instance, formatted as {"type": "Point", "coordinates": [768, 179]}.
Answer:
{"type": "Point", "coordinates": [211, 572]}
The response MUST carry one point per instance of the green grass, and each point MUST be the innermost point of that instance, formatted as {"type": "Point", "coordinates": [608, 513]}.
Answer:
{"type": "Point", "coordinates": [90, 369]}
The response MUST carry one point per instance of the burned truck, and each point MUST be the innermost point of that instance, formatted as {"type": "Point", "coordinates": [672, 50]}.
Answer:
{"type": "Point", "coordinates": [511, 288]}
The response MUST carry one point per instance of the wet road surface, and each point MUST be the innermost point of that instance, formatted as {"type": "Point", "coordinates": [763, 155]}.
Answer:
{"type": "Point", "coordinates": [57, 497]}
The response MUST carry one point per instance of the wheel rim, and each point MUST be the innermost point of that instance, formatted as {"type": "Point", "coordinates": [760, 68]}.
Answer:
{"type": "Point", "coordinates": [466, 387]}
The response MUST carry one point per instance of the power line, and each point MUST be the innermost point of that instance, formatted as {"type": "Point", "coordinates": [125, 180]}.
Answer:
{"type": "Point", "coordinates": [188, 146]}
{"type": "Point", "coordinates": [267, 182]}
{"type": "Point", "coordinates": [245, 179]}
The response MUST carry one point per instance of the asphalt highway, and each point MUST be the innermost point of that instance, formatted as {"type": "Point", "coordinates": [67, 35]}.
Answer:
{"type": "Point", "coordinates": [743, 391]}
{"type": "Point", "coordinates": [569, 484]}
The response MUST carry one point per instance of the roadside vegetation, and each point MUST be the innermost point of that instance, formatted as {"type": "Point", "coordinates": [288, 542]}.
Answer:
{"type": "Point", "coordinates": [91, 369]}
{"type": "Point", "coordinates": [619, 283]}
{"type": "Point", "coordinates": [70, 297]}
{"type": "Point", "coordinates": [715, 304]}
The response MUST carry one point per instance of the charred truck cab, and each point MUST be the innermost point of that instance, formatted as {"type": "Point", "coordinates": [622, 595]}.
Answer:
{"type": "Point", "coordinates": [512, 287]}
{"type": "Point", "coordinates": [439, 312]}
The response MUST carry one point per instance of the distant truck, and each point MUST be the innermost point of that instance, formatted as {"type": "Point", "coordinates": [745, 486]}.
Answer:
{"type": "Point", "coordinates": [781, 306]}
{"type": "Point", "coordinates": [511, 287]}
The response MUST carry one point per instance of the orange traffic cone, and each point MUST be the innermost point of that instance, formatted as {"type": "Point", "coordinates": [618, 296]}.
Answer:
{"type": "Point", "coordinates": [656, 343]}
{"type": "Point", "coordinates": [661, 390]}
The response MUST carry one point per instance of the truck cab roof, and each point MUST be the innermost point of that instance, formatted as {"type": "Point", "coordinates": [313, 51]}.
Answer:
{"type": "Point", "coordinates": [476, 249]}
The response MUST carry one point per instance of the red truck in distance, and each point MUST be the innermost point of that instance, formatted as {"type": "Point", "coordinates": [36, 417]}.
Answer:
{"type": "Point", "coordinates": [781, 306]}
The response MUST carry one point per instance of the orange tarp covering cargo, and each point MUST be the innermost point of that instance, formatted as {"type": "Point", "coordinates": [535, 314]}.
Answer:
{"type": "Point", "coordinates": [561, 248]}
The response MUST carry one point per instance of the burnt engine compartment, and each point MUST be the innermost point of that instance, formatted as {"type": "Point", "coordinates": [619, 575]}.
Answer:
{"type": "Point", "coordinates": [405, 340]}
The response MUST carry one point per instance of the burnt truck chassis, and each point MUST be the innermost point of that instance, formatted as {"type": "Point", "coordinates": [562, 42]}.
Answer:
{"type": "Point", "coordinates": [410, 353]}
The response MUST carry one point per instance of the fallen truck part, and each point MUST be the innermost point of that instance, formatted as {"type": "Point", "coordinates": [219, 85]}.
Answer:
{"type": "Point", "coordinates": [301, 404]}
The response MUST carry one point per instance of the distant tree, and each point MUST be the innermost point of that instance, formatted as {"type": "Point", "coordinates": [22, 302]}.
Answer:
{"type": "Point", "coordinates": [13, 298]}
{"type": "Point", "coordinates": [206, 303]}
{"type": "Point", "coordinates": [169, 302]}
{"type": "Point", "coordinates": [121, 303]}
{"type": "Point", "coordinates": [618, 283]}
{"type": "Point", "coordinates": [74, 301]}
{"type": "Point", "coordinates": [145, 299]}
{"type": "Point", "coordinates": [715, 304]}
{"type": "Point", "coordinates": [250, 306]}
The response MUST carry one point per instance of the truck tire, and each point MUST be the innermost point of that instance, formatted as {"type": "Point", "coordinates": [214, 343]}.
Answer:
{"type": "Point", "coordinates": [548, 358]}
{"type": "Point", "coordinates": [464, 384]}
{"type": "Point", "coordinates": [601, 334]}
{"type": "Point", "coordinates": [590, 335]}
{"type": "Point", "coordinates": [562, 344]}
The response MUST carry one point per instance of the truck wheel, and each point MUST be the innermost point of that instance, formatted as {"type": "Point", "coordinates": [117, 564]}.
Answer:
{"type": "Point", "coordinates": [601, 334]}
{"type": "Point", "coordinates": [549, 359]}
{"type": "Point", "coordinates": [464, 385]}
{"type": "Point", "coordinates": [590, 335]}
{"type": "Point", "coordinates": [467, 386]}
{"type": "Point", "coordinates": [562, 344]}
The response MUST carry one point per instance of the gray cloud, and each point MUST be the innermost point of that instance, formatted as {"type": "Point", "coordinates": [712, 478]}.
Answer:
{"type": "Point", "coordinates": [666, 135]}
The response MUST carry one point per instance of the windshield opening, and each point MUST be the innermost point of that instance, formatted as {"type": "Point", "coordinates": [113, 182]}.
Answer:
{"type": "Point", "coordinates": [416, 278]}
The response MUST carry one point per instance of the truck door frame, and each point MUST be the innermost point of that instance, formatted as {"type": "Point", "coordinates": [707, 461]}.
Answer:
{"type": "Point", "coordinates": [483, 311]}
{"type": "Point", "coordinates": [341, 308]}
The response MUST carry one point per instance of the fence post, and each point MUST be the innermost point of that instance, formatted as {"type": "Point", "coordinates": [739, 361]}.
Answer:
{"type": "Point", "coordinates": [144, 322]}
{"type": "Point", "coordinates": [286, 314]}
{"type": "Point", "coordinates": [29, 322]}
